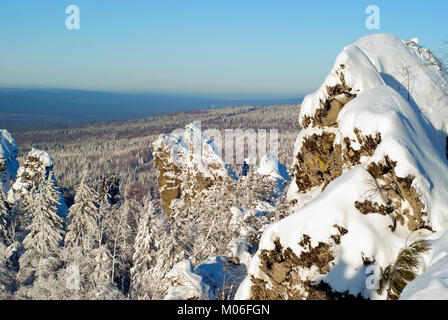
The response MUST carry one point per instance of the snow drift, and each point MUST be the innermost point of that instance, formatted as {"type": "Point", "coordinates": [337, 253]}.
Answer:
{"type": "Point", "coordinates": [370, 175]}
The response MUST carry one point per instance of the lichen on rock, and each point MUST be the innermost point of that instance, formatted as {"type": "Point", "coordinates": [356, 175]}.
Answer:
{"type": "Point", "coordinates": [285, 272]}
{"type": "Point", "coordinates": [369, 163]}
{"type": "Point", "coordinates": [318, 162]}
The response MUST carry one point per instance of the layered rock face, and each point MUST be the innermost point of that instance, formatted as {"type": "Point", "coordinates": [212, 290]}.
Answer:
{"type": "Point", "coordinates": [188, 163]}
{"type": "Point", "coordinates": [37, 167]}
{"type": "Point", "coordinates": [8, 159]}
{"type": "Point", "coordinates": [370, 174]}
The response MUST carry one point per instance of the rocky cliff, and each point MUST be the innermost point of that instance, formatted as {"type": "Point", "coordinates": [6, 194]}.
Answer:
{"type": "Point", "coordinates": [370, 175]}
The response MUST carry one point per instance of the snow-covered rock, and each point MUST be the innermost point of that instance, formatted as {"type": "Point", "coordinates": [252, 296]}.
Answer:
{"type": "Point", "coordinates": [8, 159]}
{"type": "Point", "coordinates": [187, 163]}
{"type": "Point", "coordinates": [239, 248]}
{"type": "Point", "coordinates": [222, 275]}
{"type": "Point", "coordinates": [370, 173]}
{"type": "Point", "coordinates": [37, 167]}
{"type": "Point", "coordinates": [271, 167]}
{"type": "Point", "coordinates": [184, 284]}
{"type": "Point", "coordinates": [217, 277]}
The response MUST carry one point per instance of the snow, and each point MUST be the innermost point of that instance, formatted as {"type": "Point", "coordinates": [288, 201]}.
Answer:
{"type": "Point", "coordinates": [368, 234]}
{"type": "Point", "coordinates": [408, 139]}
{"type": "Point", "coordinates": [43, 157]}
{"type": "Point", "coordinates": [413, 130]}
{"type": "Point", "coordinates": [43, 167]}
{"type": "Point", "coordinates": [190, 147]}
{"type": "Point", "coordinates": [239, 248]}
{"type": "Point", "coordinates": [390, 55]}
{"type": "Point", "coordinates": [184, 283]}
{"type": "Point", "coordinates": [269, 166]}
{"type": "Point", "coordinates": [379, 59]}
{"type": "Point", "coordinates": [433, 283]}
{"type": "Point", "coordinates": [362, 77]}
{"type": "Point", "coordinates": [214, 278]}
{"type": "Point", "coordinates": [221, 274]}
{"type": "Point", "coordinates": [8, 155]}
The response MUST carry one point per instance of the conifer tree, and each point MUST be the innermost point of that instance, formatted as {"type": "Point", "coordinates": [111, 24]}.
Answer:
{"type": "Point", "coordinates": [120, 236]}
{"type": "Point", "coordinates": [101, 284]}
{"type": "Point", "coordinates": [82, 229]}
{"type": "Point", "coordinates": [53, 194]}
{"type": "Point", "coordinates": [45, 234]}
{"type": "Point", "coordinates": [406, 267]}
{"type": "Point", "coordinates": [142, 258]}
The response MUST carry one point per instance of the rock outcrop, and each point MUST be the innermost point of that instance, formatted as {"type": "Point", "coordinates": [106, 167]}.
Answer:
{"type": "Point", "coordinates": [370, 173]}
{"type": "Point", "coordinates": [37, 167]}
{"type": "Point", "coordinates": [188, 163]}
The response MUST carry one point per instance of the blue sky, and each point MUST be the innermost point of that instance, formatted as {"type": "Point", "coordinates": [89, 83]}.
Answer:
{"type": "Point", "coordinates": [223, 48]}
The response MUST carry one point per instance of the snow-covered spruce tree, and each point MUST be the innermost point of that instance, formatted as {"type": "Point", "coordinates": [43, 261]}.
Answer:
{"type": "Point", "coordinates": [143, 256]}
{"type": "Point", "coordinates": [164, 250]}
{"type": "Point", "coordinates": [206, 222]}
{"type": "Point", "coordinates": [205, 225]}
{"type": "Point", "coordinates": [20, 217]}
{"type": "Point", "coordinates": [82, 228]}
{"type": "Point", "coordinates": [80, 240]}
{"type": "Point", "coordinates": [54, 195]}
{"type": "Point", "coordinates": [101, 284]}
{"type": "Point", "coordinates": [253, 187]}
{"type": "Point", "coordinates": [41, 256]}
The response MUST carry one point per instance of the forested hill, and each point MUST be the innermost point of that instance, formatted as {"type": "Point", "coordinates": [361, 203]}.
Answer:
{"type": "Point", "coordinates": [43, 108]}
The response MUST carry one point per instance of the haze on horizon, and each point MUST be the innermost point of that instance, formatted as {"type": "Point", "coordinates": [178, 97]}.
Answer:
{"type": "Point", "coordinates": [226, 49]}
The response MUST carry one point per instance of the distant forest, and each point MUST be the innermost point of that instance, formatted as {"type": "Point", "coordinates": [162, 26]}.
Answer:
{"type": "Point", "coordinates": [53, 108]}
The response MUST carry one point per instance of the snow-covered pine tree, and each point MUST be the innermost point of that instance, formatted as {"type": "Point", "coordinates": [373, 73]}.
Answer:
{"type": "Point", "coordinates": [42, 243]}
{"type": "Point", "coordinates": [82, 228]}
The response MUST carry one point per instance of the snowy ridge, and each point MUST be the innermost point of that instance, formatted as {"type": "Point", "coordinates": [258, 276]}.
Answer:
{"type": "Point", "coordinates": [370, 176]}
